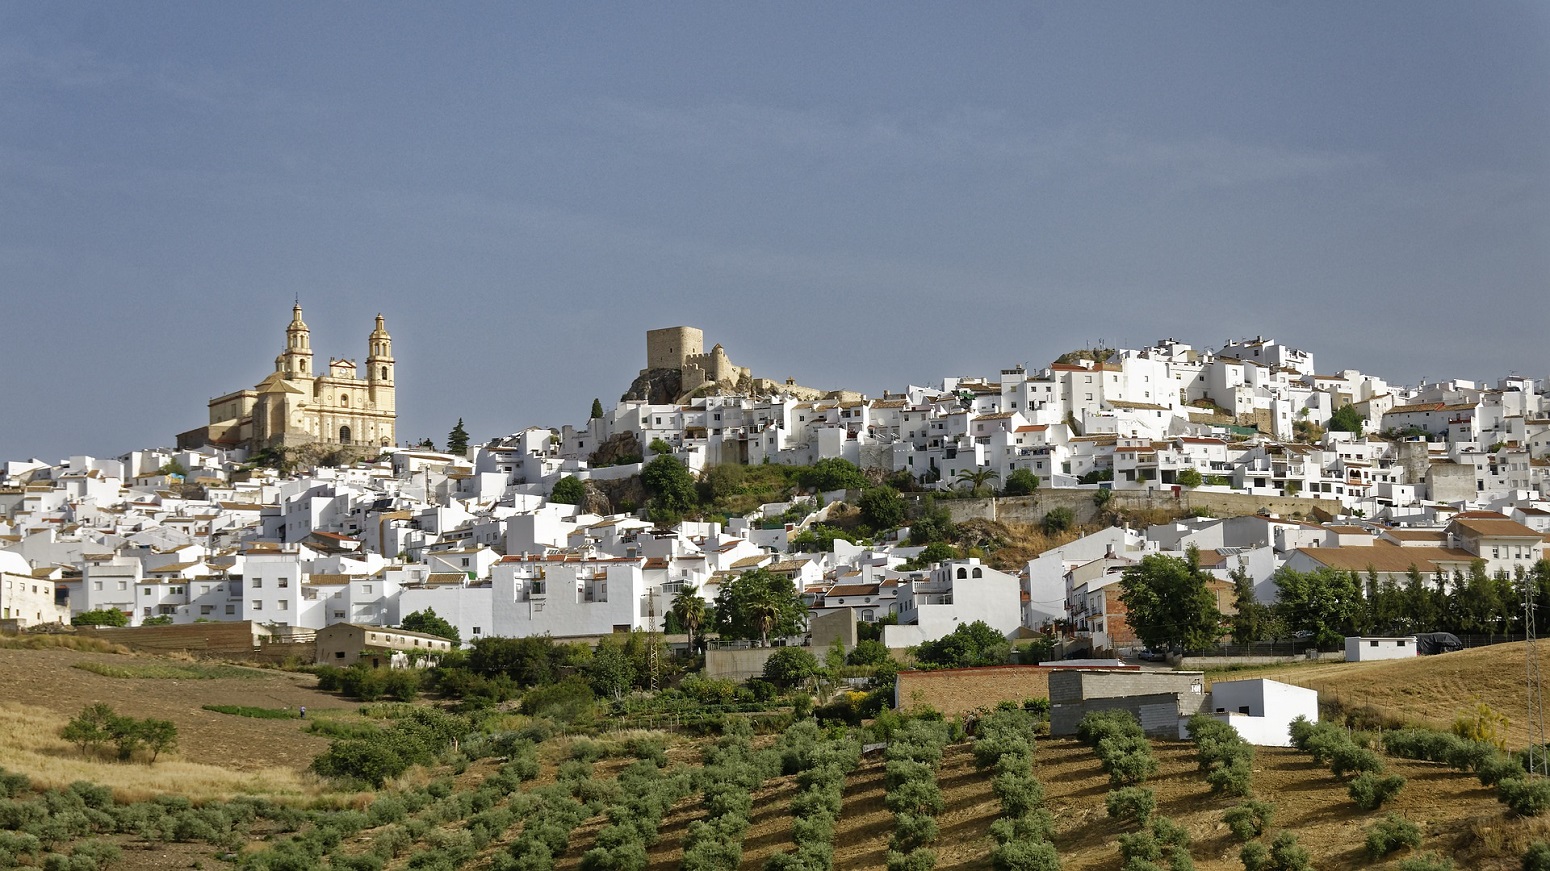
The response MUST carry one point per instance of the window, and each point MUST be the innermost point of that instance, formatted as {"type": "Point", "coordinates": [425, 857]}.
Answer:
{"type": "Point", "coordinates": [1373, 643]}
{"type": "Point", "coordinates": [206, 609]}
{"type": "Point", "coordinates": [366, 588]}
{"type": "Point", "coordinates": [147, 591]}
{"type": "Point", "coordinates": [96, 585]}
{"type": "Point", "coordinates": [123, 585]}
{"type": "Point", "coordinates": [283, 582]}
{"type": "Point", "coordinates": [476, 630]}
{"type": "Point", "coordinates": [231, 609]}
{"type": "Point", "coordinates": [258, 583]}
{"type": "Point", "coordinates": [283, 605]}
{"type": "Point", "coordinates": [258, 605]}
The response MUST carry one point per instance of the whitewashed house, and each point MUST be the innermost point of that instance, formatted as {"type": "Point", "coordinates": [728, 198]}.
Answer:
{"type": "Point", "coordinates": [1260, 710]}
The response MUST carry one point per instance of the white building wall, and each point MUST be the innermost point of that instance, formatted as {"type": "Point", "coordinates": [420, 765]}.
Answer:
{"type": "Point", "coordinates": [1368, 649]}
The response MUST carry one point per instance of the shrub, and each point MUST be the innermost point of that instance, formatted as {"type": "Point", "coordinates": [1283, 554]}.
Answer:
{"type": "Point", "coordinates": [1250, 819]}
{"type": "Point", "coordinates": [1287, 855]}
{"type": "Point", "coordinates": [1132, 803]}
{"type": "Point", "coordinates": [1019, 793]}
{"type": "Point", "coordinates": [1347, 758]}
{"type": "Point", "coordinates": [911, 832]}
{"type": "Point", "coordinates": [1371, 791]}
{"type": "Point", "coordinates": [1234, 778]}
{"type": "Point", "coordinates": [1034, 826]}
{"type": "Point", "coordinates": [1255, 856]}
{"type": "Point", "coordinates": [1526, 796]}
{"type": "Point", "coordinates": [1498, 767]}
{"type": "Point", "coordinates": [1390, 834]}
{"type": "Point", "coordinates": [1099, 725]}
{"type": "Point", "coordinates": [1425, 744]}
{"type": "Point", "coordinates": [915, 860]}
{"type": "Point", "coordinates": [1025, 856]}
{"type": "Point", "coordinates": [1537, 857]}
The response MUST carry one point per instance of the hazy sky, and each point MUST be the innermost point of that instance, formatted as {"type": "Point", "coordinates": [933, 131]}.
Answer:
{"type": "Point", "coordinates": [858, 195]}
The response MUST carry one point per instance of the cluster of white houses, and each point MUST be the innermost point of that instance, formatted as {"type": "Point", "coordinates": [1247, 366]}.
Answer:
{"type": "Point", "coordinates": [200, 534]}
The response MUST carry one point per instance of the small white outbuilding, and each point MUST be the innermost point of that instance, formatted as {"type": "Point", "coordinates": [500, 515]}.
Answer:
{"type": "Point", "coordinates": [1368, 648]}
{"type": "Point", "coordinates": [1260, 710]}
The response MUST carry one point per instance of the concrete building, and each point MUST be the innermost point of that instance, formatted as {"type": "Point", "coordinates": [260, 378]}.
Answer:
{"type": "Point", "coordinates": [1261, 710]}
{"type": "Point", "coordinates": [1158, 699]}
{"type": "Point", "coordinates": [1369, 649]}
{"type": "Point", "coordinates": [345, 644]}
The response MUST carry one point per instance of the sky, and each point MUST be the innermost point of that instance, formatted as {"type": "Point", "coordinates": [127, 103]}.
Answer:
{"type": "Point", "coordinates": [860, 195]}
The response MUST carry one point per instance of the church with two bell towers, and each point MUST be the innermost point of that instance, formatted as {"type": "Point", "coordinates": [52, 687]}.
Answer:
{"type": "Point", "coordinates": [299, 405]}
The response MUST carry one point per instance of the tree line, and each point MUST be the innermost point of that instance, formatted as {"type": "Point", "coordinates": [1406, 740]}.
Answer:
{"type": "Point", "coordinates": [1171, 606]}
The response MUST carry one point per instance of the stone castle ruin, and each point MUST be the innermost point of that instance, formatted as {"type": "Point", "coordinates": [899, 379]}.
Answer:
{"type": "Point", "coordinates": [678, 368]}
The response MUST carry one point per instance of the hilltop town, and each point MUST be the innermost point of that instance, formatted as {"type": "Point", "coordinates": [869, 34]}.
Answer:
{"type": "Point", "coordinates": [294, 509]}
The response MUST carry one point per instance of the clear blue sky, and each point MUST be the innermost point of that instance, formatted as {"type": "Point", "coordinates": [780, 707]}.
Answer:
{"type": "Point", "coordinates": [860, 195]}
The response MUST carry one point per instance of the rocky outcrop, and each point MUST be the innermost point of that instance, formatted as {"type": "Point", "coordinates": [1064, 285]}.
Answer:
{"type": "Point", "coordinates": [656, 386]}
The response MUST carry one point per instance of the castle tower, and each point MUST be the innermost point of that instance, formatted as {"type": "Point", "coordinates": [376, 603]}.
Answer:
{"type": "Point", "coordinates": [296, 361]}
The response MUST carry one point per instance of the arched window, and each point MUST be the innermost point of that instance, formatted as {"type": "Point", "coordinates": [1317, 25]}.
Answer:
{"type": "Point", "coordinates": [304, 367]}
{"type": "Point", "coordinates": [344, 399]}
{"type": "Point", "coordinates": [963, 572]}
{"type": "Point", "coordinates": [344, 435]}
{"type": "Point", "coordinates": [978, 573]}
{"type": "Point", "coordinates": [384, 373]}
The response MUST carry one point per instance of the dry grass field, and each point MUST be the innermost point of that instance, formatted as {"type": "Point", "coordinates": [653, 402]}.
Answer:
{"type": "Point", "coordinates": [218, 755]}
{"type": "Point", "coordinates": [1425, 690]}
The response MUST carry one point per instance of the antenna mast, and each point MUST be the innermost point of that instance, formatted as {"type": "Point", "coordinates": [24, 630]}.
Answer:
{"type": "Point", "coordinates": [1538, 761]}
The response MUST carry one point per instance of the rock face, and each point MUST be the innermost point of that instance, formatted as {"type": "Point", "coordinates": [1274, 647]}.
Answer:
{"type": "Point", "coordinates": [656, 386]}
{"type": "Point", "coordinates": [621, 447]}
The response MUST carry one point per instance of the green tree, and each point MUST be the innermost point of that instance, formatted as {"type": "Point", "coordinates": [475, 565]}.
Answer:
{"type": "Point", "coordinates": [1021, 482]}
{"type": "Point", "coordinates": [1251, 620]}
{"type": "Point", "coordinates": [869, 651]}
{"type": "Point", "coordinates": [430, 623]}
{"type": "Point", "coordinates": [977, 481]}
{"type": "Point", "coordinates": [1058, 520]}
{"type": "Point", "coordinates": [101, 617]}
{"type": "Point", "coordinates": [659, 446]}
{"type": "Point", "coordinates": [1325, 602]}
{"type": "Point", "coordinates": [158, 737]}
{"type": "Point", "coordinates": [722, 480]}
{"type": "Point", "coordinates": [1190, 478]}
{"type": "Point", "coordinates": [569, 490]}
{"type": "Point", "coordinates": [790, 666]}
{"type": "Point", "coordinates": [669, 484]}
{"type": "Point", "coordinates": [832, 473]}
{"type": "Point", "coordinates": [758, 604]}
{"type": "Point", "coordinates": [597, 409]}
{"type": "Point", "coordinates": [689, 609]}
{"type": "Point", "coordinates": [611, 672]}
{"type": "Point", "coordinates": [1346, 419]}
{"type": "Point", "coordinates": [89, 729]}
{"type": "Point", "coordinates": [970, 644]}
{"type": "Point", "coordinates": [1169, 604]}
{"type": "Point", "coordinates": [882, 508]}
{"type": "Point", "coordinates": [457, 440]}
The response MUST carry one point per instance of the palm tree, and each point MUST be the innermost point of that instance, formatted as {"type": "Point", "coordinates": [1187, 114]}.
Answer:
{"type": "Point", "coordinates": [977, 478]}
{"type": "Point", "coordinates": [689, 608]}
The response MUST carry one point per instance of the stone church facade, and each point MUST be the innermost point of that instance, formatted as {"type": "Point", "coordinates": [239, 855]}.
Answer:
{"type": "Point", "coordinates": [298, 405]}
